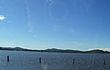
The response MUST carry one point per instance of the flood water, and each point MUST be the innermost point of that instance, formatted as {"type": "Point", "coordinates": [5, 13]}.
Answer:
{"type": "Point", "coordinates": [19, 60]}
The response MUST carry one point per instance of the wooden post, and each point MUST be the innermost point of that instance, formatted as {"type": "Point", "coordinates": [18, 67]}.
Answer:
{"type": "Point", "coordinates": [73, 61]}
{"type": "Point", "coordinates": [104, 61]}
{"type": "Point", "coordinates": [8, 59]}
{"type": "Point", "coordinates": [40, 60]}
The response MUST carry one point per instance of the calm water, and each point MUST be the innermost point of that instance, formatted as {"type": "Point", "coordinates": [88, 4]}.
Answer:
{"type": "Point", "coordinates": [53, 61]}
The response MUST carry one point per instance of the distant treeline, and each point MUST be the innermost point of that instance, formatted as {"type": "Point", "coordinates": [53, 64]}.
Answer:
{"type": "Point", "coordinates": [53, 50]}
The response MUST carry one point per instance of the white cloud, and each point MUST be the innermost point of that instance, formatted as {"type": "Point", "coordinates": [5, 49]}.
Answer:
{"type": "Point", "coordinates": [2, 17]}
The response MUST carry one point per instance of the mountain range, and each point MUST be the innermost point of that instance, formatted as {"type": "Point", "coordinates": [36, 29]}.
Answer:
{"type": "Point", "coordinates": [54, 50]}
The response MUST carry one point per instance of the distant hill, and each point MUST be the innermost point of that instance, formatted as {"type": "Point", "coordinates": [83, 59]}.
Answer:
{"type": "Point", "coordinates": [54, 50]}
{"type": "Point", "coordinates": [97, 51]}
{"type": "Point", "coordinates": [14, 49]}
{"type": "Point", "coordinates": [76, 51]}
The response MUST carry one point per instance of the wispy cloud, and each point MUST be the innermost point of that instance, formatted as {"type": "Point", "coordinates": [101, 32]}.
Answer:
{"type": "Point", "coordinates": [2, 17]}
{"type": "Point", "coordinates": [83, 4]}
{"type": "Point", "coordinates": [50, 2]}
{"type": "Point", "coordinates": [77, 44]}
{"type": "Point", "coordinates": [29, 17]}
{"type": "Point", "coordinates": [71, 30]}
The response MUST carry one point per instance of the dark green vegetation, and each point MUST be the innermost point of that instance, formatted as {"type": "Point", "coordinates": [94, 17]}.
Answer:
{"type": "Point", "coordinates": [54, 50]}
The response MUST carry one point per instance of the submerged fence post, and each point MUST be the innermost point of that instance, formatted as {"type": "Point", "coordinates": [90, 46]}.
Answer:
{"type": "Point", "coordinates": [73, 61]}
{"type": "Point", "coordinates": [40, 60]}
{"type": "Point", "coordinates": [104, 62]}
{"type": "Point", "coordinates": [8, 58]}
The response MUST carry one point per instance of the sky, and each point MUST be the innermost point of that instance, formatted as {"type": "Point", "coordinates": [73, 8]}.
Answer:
{"type": "Point", "coordinates": [63, 24]}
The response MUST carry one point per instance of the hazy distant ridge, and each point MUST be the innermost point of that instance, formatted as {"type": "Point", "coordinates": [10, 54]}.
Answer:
{"type": "Point", "coordinates": [54, 50]}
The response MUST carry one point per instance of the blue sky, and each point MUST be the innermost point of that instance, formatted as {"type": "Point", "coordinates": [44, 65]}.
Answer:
{"type": "Point", "coordinates": [65, 24]}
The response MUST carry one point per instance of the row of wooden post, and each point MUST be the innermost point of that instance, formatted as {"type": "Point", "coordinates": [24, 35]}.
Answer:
{"type": "Point", "coordinates": [8, 59]}
{"type": "Point", "coordinates": [40, 60]}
